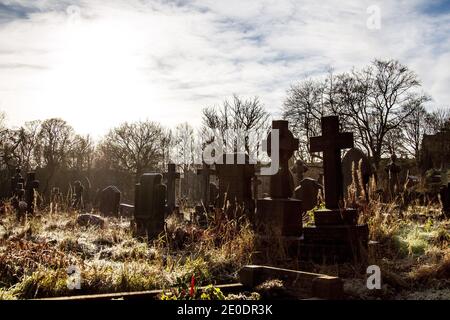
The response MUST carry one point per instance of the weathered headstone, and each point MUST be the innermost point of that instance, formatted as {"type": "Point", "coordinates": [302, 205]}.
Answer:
{"type": "Point", "coordinates": [353, 161]}
{"type": "Point", "coordinates": [110, 201]}
{"type": "Point", "coordinates": [31, 186]}
{"type": "Point", "coordinates": [308, 192]}
{"type": "Point", "coordinates": [77, 200]}
{"type": "Point", "coordinates": [393, 170]}
{"type": "Point", "coordinates": [150, 205]}
{"type": "Point", "coordinates": [336, 236]}
{"type": "Point", "coordinates": [235, 176]}
{"type": "Point", "coordinates": [171, 176]}
{"type": "Point", "coordinates": [279, 214]}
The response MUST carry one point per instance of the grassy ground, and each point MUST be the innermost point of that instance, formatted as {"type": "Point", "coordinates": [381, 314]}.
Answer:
{"type": "Point", "coordinates": [412, 251]}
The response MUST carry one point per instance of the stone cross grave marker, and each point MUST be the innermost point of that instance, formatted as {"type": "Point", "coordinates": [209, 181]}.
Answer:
{"type": "Point", "coordinates": [282, 183]}
{"type": "Point", "coordinates": [171, 176]}
{"type": "Point", "coordinates": [280, 214]}
{"type": "Point", "coordinates": [330, 144]}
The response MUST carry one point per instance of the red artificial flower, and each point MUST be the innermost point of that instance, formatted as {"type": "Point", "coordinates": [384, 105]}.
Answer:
{"type": "Point", "coordinates": [191, 290]}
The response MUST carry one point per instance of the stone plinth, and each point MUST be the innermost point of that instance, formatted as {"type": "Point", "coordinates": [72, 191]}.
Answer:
{"type": "Point", "coordinates": [334, 243]}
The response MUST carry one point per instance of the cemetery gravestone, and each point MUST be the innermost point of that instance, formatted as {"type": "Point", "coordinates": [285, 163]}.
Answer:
{"type": "Point", "coordinates": [110, 201]}
{"type": "Point", "coordinates": [235, 176]}
{"type": "Point", "coordinates": [150, 205]}
{"type": "Point", "coordinates": [307, 192]}
{"type": "Point", "coordinates": [330, 143]}
{"type": "Point", "coordinates": [171, 176]}
{"type": "Point", "coordinates": [280, 214]}
{"type": "Point", "coordinates": [336, 237]}
{"type": "Point", "coordinates": [354, 160]}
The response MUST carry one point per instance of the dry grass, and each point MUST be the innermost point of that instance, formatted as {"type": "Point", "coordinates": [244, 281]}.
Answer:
{"type": "Point", "coordinates": [412, 251]}
{"type": "Point", "coordinates": [35, 254]}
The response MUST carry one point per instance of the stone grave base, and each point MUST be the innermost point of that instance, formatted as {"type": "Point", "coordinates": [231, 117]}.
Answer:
{"type": "Point", "coordinates": [281, 217]}
{"type": "Point", "coordinates": [334, 244]}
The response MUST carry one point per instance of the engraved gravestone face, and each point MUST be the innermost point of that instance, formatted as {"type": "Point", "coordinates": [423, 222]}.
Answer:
{"type": "Point", "coordinates": [235, 180]}
{"type": "Point", "coordinates": [150, 205]}
{"type": "Point", "coordinates": [110, 201]}
{"type": "Point", "coordinates": [171, 176]}
{"type": "Point", "coordinates": [307, 192]}
{"type": "Point", "coordinates": [330, 144]}
{"type": "Point", "coordinates": [351, 162]}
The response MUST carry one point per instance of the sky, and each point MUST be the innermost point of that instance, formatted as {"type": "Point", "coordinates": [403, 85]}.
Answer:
{"type": "Point", "coordinates": [99, 63]}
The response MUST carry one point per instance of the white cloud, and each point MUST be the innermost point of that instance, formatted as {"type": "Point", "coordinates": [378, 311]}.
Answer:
{"type": "Point", "coordinates": [165, 60]}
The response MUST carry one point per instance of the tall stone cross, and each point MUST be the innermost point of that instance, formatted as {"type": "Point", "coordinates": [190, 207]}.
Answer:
{"type": "Point", "coordinates": [205, 174]}
{"type": "Point", "coordinates": [171, 176]}
{"type": "Point", "coordinates": [282, 183]}
{"type": "Point", "coordinates": [330, 143]}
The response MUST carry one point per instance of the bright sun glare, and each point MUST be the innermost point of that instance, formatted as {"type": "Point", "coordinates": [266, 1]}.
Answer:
{"type": "Point", "coordinates": [97, 72]}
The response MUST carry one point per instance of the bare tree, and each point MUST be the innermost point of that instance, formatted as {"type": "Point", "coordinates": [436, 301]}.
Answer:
{"type": "Point", "coordinates": [374, 101]}
{"type": "Point", "coordinates": [27, 145]}
{"type": "Point", "coordinates": [236, 120]}
{"type": "Point", "coordinates": [303, 109]}
{"type": "Point", "coordinates": [81, 154]}
{"type": "Point", "coordinates": [414, 127]}
{"type": "Point", "coordinates": [133, 147]}
{"type": "Point", "coordinates": [56, 138]}
{"type": "Point", "coordinates": [438, 119]}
